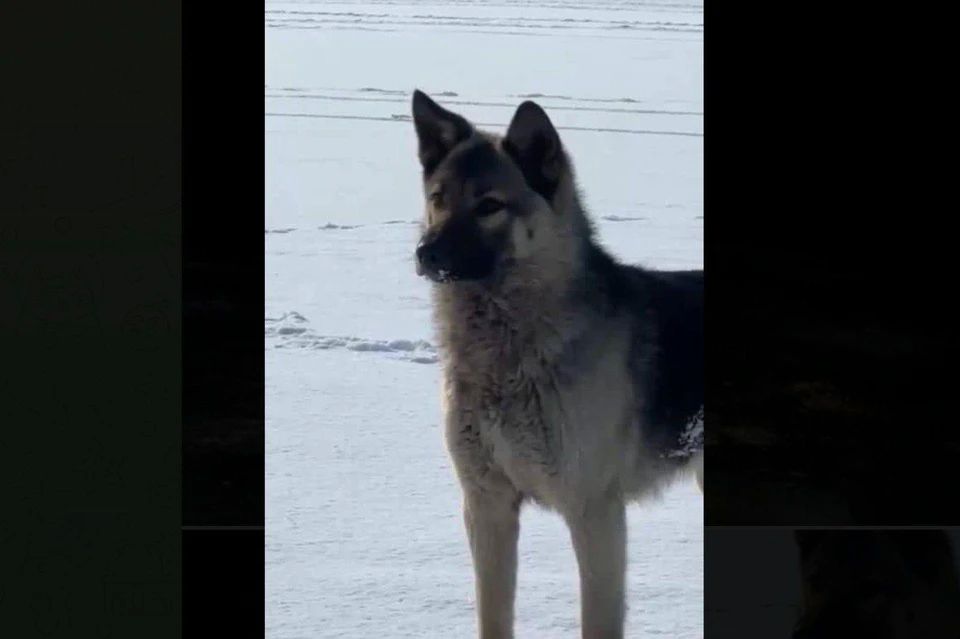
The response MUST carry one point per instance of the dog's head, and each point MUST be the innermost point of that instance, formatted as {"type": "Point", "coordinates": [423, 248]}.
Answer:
{"type": "Point", "coordinates": [491, 202]}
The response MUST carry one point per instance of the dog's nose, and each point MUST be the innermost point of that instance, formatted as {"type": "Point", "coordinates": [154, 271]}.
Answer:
{"type": "Point", "coordinates": [427, 255]}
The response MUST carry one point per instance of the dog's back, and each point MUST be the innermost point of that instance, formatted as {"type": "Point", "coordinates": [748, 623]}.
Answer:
{"type": "Point", "coordinates": [674, 414]}
{"type": "Point", "coordinates": [666, 359]}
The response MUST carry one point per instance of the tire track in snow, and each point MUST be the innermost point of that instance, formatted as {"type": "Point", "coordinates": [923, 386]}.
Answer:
{"type": "Point", "coordinates": [280, 18]}
{"type": "Point", "coordinates": [397, 117]}
{"type": "Point", "coordinates": [403, 96]}
{"type": "Point", "coordinates": [571, 5]}
{"type": "Point", "coordinates": [509, 105]}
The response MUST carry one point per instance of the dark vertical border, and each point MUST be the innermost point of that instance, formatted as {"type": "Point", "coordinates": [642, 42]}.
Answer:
{"type": "Point", "coordinates": [223, 191]}
{"type": "Point", "coordinates": [831, 343]}
{"type": "Point", "coordinates": [831, 335]}
{"type": "Point", "coordinates": [223, 583]}
{"type": "Point", "coordinates": [90, 320]}
{"type": "Point", "coordinates": [223, 360]}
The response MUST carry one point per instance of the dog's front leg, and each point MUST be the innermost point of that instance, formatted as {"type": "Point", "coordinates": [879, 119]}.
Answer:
{"type": "Point", "coordinates": [493, 525]}
{"type": "Point", "coordinates": [599, 533]}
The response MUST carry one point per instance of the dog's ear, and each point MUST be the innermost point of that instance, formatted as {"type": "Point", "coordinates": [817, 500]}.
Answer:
{"type": "Point", "coordinates": [534, 145]}
{"type": "Point", "coordinates": [438, 130]}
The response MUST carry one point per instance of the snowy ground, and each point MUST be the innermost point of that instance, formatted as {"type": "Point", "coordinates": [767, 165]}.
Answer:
{"type": "Point", "coordinates": [364, 535]}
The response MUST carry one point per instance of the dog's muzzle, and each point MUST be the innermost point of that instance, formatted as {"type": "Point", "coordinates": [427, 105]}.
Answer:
{"type": "Point", "coordinates": [433, 262]}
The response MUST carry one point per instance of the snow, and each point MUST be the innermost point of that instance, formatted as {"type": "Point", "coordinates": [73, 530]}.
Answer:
{"type": "Point", "coordinates": [364, 532]}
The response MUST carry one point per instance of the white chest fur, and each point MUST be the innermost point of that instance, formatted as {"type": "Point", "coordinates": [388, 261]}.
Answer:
{"type": "Point", "coordinates": [556, 434]}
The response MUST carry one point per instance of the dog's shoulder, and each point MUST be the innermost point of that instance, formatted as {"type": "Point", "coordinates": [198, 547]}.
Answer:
{"type": "Point", "coordinates": [665, 316]}
{"type": "Point", "coordinates": [675, 414]}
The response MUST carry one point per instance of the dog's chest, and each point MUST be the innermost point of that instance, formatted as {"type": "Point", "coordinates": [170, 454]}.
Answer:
{"type": "Point", "coordinates": [539, 398]}
{"type": "Point", "coordinates": [520, 425]}
{"type": "Point", "coordinates": [547, 428]}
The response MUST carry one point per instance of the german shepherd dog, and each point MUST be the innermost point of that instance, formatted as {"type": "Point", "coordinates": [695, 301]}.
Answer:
{"type": "Point", "coordinates": [568, 379]}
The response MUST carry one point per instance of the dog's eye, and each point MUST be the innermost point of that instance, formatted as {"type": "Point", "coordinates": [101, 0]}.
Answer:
{"type": "Point", "coordinates": [487, 206]}
{"type": "Point", "coordinates": [436, 198]}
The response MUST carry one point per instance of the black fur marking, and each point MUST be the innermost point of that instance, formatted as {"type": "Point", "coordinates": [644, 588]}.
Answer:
{"type": "Point", "coordinates": [530, 161]}
{"type": "Point", "coordinates": [676, 302]}
{"type": "Point", "coordinates": [667, 354]}
{"type": "Point", "coordinates": [533, 143]}
{"type": "Point", "coordinates": [476, 161]}
{"type": "Point", "coordinates": [460, 250]}
{"type": "Point", "coordinates": [431, 121]}
{"type": "Point", "coordinates": [429, 161]}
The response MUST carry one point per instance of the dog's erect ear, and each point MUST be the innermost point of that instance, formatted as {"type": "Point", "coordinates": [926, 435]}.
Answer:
{"type": "Point", "coordinates": [534, 144]}
{"type": "Point", "coordinates": [438, 130]}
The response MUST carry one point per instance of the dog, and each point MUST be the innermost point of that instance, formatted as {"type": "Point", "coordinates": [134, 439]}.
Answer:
{"type": "Point", "coordinates": [569, 379]}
